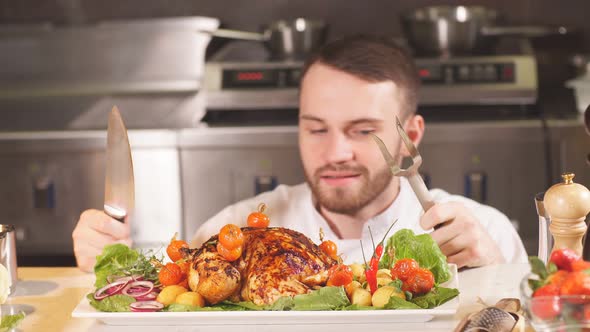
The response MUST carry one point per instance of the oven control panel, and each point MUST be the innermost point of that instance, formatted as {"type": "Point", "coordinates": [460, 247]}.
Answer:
{"type": "Point", "coordinates": [479, 80]}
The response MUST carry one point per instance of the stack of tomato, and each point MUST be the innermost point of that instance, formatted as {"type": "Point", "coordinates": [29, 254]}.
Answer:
{"type": "Point", "coordinates": [176, 272]}
{"type": "Point", "coordinates": [566, 285]}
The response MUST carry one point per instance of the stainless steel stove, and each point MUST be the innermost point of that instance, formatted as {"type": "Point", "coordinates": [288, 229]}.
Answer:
{"type": "Point", "coordinates": [247, 83]}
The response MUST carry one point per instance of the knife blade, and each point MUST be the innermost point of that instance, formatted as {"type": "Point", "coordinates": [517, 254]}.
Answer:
{"type": "Point", "coordinates": [119, 185]}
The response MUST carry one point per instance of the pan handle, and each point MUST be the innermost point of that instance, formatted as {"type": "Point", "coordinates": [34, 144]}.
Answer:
{"type": "Point", "coordinates": [236, 34]}
{"type": "Point", "coordinates": [528, 31]}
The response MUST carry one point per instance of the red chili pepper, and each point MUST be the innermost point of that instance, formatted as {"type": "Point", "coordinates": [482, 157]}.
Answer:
{"type": "Point", "coordinates": [371, 279]}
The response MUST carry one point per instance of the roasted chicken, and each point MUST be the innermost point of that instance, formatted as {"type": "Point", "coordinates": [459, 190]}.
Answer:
{"type": "Point", "coordinates": [275, 262]}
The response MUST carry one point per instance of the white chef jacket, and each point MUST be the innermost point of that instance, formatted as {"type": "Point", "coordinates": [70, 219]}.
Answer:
{"type": "Point", "coordinates": [293, 207]}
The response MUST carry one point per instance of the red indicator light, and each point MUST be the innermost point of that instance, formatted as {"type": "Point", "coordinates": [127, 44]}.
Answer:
{"type": "Point", "coordinates": [250, 76]}
{"type": "Point", "coordinates": [507, 72]}
{"type": "Point", "coordinates": [424, 72]}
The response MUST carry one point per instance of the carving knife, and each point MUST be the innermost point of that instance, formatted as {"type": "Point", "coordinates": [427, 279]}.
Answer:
{"type": "Point", "coordinates": [119, 185]}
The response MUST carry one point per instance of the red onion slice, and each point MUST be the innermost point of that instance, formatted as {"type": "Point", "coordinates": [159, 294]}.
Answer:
{"type": "Point", "coordinates": [138, 288]}
{"type": "Point", "coordinates": [146, 306]}
{"type": "Point", "coordinates": [110, 289]}
{"type": "Point", "coordinates": [148, 297]}
{"type": "Point", "coordinates": [113, 278]}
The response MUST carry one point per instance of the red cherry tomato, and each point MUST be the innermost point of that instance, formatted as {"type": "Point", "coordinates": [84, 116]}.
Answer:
{"type": "Point", "coordinates": [404, 268]}
{"type": "Point", "coordinates": [563, 258]}
{"type": "Point", "coordinates": [339, 275]}
{"type": "Point", "coordinates": [231, 236]}
{"type": "Point", "coordinates": [329, 248]}
{"type": "Point", "coordinates": [545, 303]}
{"type": "Point", "coordinates": [419, 282]}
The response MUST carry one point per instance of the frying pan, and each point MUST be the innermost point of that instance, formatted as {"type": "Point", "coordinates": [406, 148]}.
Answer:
{"type": "Point", "coordinates": [285, 39]}
{"type": "Point", "coordinates": [462, 30]}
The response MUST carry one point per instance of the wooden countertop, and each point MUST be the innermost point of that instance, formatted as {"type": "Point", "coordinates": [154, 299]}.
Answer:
{"type": "Point", "coordinates": [49, 295]}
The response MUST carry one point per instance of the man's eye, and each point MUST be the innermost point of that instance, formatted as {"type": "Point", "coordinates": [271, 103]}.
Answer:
{"type": "Point", "coordinates": [365, 131]}
{"type": "Point", "coordinates": [318, 131]}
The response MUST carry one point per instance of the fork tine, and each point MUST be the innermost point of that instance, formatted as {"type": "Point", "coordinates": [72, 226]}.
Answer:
{"type": "Point", "coordinates": [407, 141]}
{"type": "Point", "coordinates": [386, 155]}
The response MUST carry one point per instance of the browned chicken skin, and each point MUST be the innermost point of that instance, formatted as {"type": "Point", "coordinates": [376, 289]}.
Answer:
{"type": "Point", "coordinates": [275, 262]}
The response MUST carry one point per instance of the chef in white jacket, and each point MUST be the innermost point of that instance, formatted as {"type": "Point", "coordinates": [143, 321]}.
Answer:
{"type": "Point", "coordinates": [351, 88]}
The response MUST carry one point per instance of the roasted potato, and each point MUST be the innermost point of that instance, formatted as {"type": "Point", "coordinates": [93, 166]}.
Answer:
{"type": "Point", "coordinates": [351, 287]}
{"type": "Point", "coordinates": [358, 272]}
{"type": "Point", "coordinates": [382, 295]}
{"type": "Point", "coordinates": [190, 298]}
{"type": "Point", "coordinates": [361, 296]}
{"type": "Point", "coordinates": [384, 273]}
{"type": "Point", "coordinates": [168, 295]}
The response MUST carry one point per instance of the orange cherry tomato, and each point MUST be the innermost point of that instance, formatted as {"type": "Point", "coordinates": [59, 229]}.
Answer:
{"type": "Point", "coordinates": [170, 274]}
{"type": "Point", "coordinates": [258, 219]}
{"type": "Point", "coordinates": [231, 236]}
{"type": "Point", "coordinates": [339, 275]}
{"type": "Point", "coordinates": [329, 248]}
{"type": "Point", "coordinates": [173, 249]}
{"type": "Point", "coordinates": [229, 254]}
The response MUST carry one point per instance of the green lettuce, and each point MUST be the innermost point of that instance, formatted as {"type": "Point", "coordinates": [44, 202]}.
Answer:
{"type": "Point", "coordinates": [422, 248]}
{"type": "Point", "coordinates": [436, 297]}
{"type": "Point", "coordinates": [10, 322]}
{"type": "Point", "coordinates": [113, 303]}
{"type": "Point", "coordinates": [120, 260]}
{"type": "Point", "coordinates": [114, 258]}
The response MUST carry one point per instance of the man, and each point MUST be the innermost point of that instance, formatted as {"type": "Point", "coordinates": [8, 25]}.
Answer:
{"type": "Point", "coordinates": [351, 88]}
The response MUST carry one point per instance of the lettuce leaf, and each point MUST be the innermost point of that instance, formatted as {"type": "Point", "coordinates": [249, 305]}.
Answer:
{"type": "Point", "coordinates": [436, 297]}
{"type": "Point", "coordinates": [325, 298]}
{"type": "Point", "coordinates": [10, 322]}
{"type": "Point", "coordinates": [114, 258]}
{"type": "Point", "coordinates": [113, 303]}
{"type": "Point", "coordinates": [422, 248]}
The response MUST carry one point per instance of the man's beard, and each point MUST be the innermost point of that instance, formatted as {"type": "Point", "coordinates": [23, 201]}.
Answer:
{"type": "Point", "coordinates": [345, 200]}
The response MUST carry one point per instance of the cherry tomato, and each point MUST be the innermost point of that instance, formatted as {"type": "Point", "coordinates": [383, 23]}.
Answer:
{"type": "Point", "coordinates": [580, 265]}
{"type": "Point", "coordinates": [404, 268]}
{"type": "Point", "coordinates": [339, 275]}
{"type": "Point", "coordinates": [170, 274]}
{"type": "Point", "coordinates": [231, 236]}
{"type": "Point", "coordinates": [419, 282]}
{"type": "Point", "coordinates": [563, 258]}
{"type": "Point", "coordinates": [329, 248]}
{"type": "Point", "coordinates": [173, 249]}
{"type": "Point", "coordinates": [258, 219]}
{"type": "Point", "coordinates": [576, 283]}
{"type": "Point", "coordinates": [558, 277]}
{"type": "Point", "coordinates": [545, 303]}
{"type": "Point", "coordinates": [229, 254]}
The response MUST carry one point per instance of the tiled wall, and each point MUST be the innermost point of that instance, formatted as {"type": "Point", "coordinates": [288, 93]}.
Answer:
{"type": "Point", "coordinates": [344, 16]}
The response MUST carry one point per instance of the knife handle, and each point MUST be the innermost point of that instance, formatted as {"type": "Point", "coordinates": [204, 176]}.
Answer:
{"type": "Point", "coordinates": [421, 191]}
{"type": "Point", "coordinates": [115, 213]}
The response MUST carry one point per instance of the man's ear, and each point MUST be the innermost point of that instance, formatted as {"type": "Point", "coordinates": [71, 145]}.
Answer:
{"type": "Point", "coordinates": [414, 127]}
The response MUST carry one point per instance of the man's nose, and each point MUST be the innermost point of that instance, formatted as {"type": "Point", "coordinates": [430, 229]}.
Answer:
{"type": "Point", "coordinates": [338, 149]}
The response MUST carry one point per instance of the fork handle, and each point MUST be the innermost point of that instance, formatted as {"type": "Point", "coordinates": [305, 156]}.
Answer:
{"type": "Point", "coordinates": [421, 191]}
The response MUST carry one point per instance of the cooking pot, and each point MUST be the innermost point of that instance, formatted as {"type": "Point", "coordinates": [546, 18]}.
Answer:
{"type": "Point", "coordinates": [285, 39]}
{"type": "Point", "coordinates": [461, 30]}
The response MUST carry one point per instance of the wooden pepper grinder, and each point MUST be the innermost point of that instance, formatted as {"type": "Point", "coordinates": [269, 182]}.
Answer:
{"type": "Point", "coordinates": [567, 205]}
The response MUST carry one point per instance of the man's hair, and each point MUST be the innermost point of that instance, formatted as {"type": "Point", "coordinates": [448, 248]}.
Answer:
{"type": "Point", "coordinates": [373, 59]}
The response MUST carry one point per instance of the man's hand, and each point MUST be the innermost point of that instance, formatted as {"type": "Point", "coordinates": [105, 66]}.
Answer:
{"type": "Point", "coordinates": [94, 230]}
{"type": "Point", "coordinates": [461, 238]}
